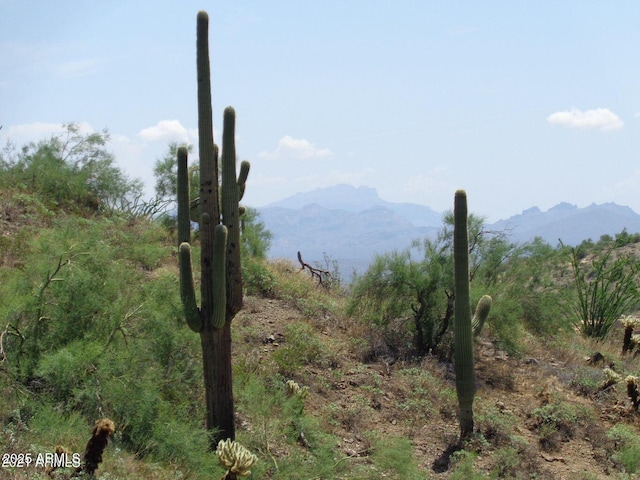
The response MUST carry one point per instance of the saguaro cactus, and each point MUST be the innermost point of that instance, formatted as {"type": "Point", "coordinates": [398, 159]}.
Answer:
{"type": "Point", "coordinates": [463, 336]}
{"type": "Point", "coordinates": [220, 271]}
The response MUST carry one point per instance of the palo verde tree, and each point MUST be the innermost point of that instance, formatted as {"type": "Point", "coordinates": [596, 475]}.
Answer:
{"type": "Point", "coordinates": [71, 171]}
{"type": "Point", "coordinates": [220, 271]}
{"type": "Point", "coordinates": [416, 286]}
{"type": "Point", "coordinates": [165, 173]}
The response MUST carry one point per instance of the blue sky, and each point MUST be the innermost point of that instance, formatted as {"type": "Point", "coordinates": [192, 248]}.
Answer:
{"type": "Point", "coordinates": [520, 103]}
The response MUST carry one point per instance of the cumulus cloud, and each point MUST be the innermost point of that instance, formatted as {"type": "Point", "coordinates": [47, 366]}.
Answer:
{"type": "Point", "coordinates": [600, 118]}
{"type": "Point", "coordinates": [290, 147]}
{"type": "Point", "coordinates": [167, 131]}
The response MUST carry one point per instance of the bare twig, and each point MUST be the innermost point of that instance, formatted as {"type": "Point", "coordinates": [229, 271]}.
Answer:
{"type": "Point", "coordinates": [315, 272]}
{"type": "Point", "coordinates": [122, 326]}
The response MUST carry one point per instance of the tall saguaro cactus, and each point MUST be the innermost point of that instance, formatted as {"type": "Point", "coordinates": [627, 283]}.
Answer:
{"type": "Point", "coordinates": [220, 272]}
{"type": "Point", "coordinates": [463, 336]}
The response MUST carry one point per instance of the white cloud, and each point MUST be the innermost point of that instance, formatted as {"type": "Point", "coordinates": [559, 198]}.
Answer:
{"type": "Point", "coordinates": [601, 118]}
{"type": "Point", "coordinates": [297, 148]}
{"type": "Point", "coordinates": [167, 131]}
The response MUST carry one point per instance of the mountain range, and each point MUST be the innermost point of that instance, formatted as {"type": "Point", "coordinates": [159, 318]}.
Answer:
{"type": "Point", "coordinates": [352, 224]}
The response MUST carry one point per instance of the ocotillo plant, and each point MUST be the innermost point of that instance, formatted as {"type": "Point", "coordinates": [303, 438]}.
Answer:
{"type": "Point", "coordinates": [220, 270]}
{"type": "Point", "coordinates": [463, 337]}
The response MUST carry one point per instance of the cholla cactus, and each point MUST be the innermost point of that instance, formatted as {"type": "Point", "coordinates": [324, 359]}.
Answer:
{"type": "Point", "coordinates": [632, 391]}
{"type": "Point", "coordinates": [629, 323]}
{"type": "Point", "coordinates": [294, 389]}
{"type": "Point", "coordinates": [236, 458]}
{"type": "Point", "coordinates": [611, 377]}
{"type": "Point", "coordinates": [629, 320]}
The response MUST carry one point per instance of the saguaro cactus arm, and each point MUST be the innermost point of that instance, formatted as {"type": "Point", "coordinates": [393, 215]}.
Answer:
{"type": "Point", "coordinates": [242, 178]}
{"type": "Point", "coordinates": [481, 314]}
{"type": "Point", "coordinates": [184, 202]}
{"type": "Point", "coordinates": [187, 291]}
{"type": "Point", "coordinates": [230, 196]}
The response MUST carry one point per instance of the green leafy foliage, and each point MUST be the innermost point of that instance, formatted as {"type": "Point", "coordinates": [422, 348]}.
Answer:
{"type": "Point", "coordinates": [394, 457]}
{"type": "Point", "coordinates": [301, 347]}
{"type": "Point", "coordinates": [462, 468]}
{"type": "Point", "coordinates": [256, 239]}
{"type": "Point", "coordinates": [559, 422]}
{"type": "Point", "coordinates": [416, 285]}
{"type": "Point", "coordinates": [72, 171]}
{"type": "Point", "coordinates": [94, 328]}
{"type": "Point", "coordinates": [626, 447]}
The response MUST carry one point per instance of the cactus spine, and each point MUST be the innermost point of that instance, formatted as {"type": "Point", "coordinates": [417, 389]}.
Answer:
{"type": "Point", "coordinates": [463, 336]}
{"type": "Point", "coordinates": [220, 270]}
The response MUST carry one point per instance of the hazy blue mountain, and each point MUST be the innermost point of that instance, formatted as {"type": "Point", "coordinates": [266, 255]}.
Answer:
{"type": "Point", "coordinates": [351, 238]}
{"type": "Point", "coordinates": [355, 199]}
{"type": "Point", "coordinates": [352, 224]}
{"type": "Point", "coordinates": [570, 224]}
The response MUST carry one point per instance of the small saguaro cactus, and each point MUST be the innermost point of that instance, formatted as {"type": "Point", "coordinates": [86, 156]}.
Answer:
{"type": "Point", "coordinates": [463, 336]}
{"type": "Point", "coordinates": [218, 215]}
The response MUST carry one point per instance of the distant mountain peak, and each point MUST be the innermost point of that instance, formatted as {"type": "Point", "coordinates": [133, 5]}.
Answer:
{"type": "Point", "coordinates": [571, 223]}
{"type": "Point", "coordinates": [352, 224]}
{"type": "Point", "coordinates": [531, 211]}
{"type": "Point", "coordinates": [563, 207]}
{"type": "Point", "coordinates": [358, 199]}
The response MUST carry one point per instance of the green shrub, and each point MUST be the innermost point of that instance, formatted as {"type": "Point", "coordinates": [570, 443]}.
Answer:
{"type": "Point", "coordinates": [394, 457]}
{"type": "Point", "coordinates": [51, 427]}
{"type": "Point", "coordinates": [496, 425]}
{"type": "Point", "coordinates": [182, 443]}
{"type": "Point", "coordinates": [462, 467]}
{"type": "Point", "coordinates": [300, 347]}
{"type": "Point", "coordinates": [627, 447]}
{"type": "Point", "coordinates": [68, 368]}
{"type": "Point", "coordinates": [505, 324]}
{"type": "Point", "coordinates": [587, 380]}
{"type": "Point", "coordinates": [258, 278]}
{"type": "Point", "coordinates": [559, 422]}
